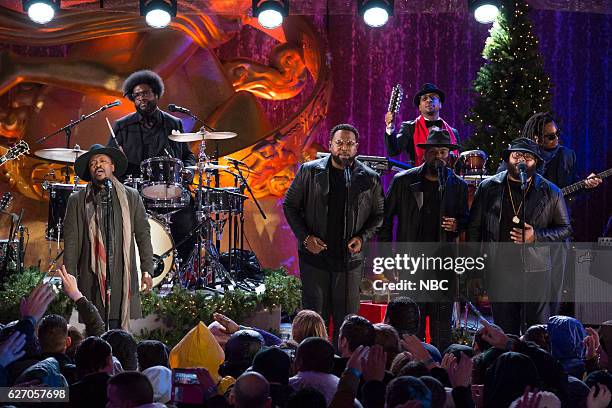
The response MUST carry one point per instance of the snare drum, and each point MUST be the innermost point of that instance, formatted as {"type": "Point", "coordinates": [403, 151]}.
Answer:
{"type": "Point", "coordinates": [58, 199]}
{"type": "Point", "coordinates": [218, 202]}
{"type": "Point", "coordinates": [162, 242]}
{"type": "Point", "coordinates": [473, 162]}
{"type": "Point", "coordinates": [162, 178]}
{"type": "Point", "coordinates": [159, 205]}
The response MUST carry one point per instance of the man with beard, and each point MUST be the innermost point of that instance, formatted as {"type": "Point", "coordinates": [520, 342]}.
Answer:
{"type": "Point", "coordinates": [414, 199]}
{"type": "Point", "coordinates": [495, 217]}
{"type": "Point", "coordinates": [325, 196]}
{"type": "Point", "coordinates": [144, 134]}
{"type": "Point", "coordinates": [429, 101]}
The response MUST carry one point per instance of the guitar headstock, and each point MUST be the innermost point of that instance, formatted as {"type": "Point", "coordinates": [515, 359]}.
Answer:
{"type": "Point", "coordinates": [5, 201]}
{"type": "Point", "coordinates": [396, 98]}
{"type": "Point", "coordinates": [14, 152]}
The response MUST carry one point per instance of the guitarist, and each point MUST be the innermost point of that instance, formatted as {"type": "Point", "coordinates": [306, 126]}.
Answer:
{"type": "Point", "coordinates": [429, 101]}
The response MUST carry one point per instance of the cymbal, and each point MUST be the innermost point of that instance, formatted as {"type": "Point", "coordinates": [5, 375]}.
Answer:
{"type": "Point", "coordinates": [197, 136]}
{"type": "Point", "coordinates": [60, 154]}
{"type": "Point", "coordinates": [208, 167]}
{"type": "Point", "coordinates": [219, 135]}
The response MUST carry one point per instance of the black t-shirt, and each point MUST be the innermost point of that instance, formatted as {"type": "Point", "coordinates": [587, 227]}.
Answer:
{"type": "Point", "coordinates": [508, 213]}
{"type": "Point", "coordinates": [335, 214]}
{"type": "Point", "coordinates": [430, 212]}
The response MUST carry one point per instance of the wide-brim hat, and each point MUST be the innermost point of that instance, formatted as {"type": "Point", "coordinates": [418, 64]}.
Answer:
{"type": "Point", "coordinates": [81, 166]}
{"type": "Point", "coordinates": [522, 144]}
{"type": "Point", "coordinates": [425, 89]}
{"type": "Point", "coordinates": [438, 138]}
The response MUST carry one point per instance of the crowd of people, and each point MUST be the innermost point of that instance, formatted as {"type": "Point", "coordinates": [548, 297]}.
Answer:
{"type": "Point", "coordinates": [559, 364]}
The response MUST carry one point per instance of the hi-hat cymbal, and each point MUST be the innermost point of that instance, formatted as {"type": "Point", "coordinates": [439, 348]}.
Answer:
{"type": "Point", "coordinates": [60, 154]}
{"type": "Point", "coordinates": [208, 167]}
{"type": "Point", "coordinates": [219, 135]}
{"type": "Point", "coordinates": [197, 136]}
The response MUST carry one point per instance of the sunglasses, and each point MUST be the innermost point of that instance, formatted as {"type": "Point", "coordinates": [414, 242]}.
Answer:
{"type": "Point", "coordinates": [552, 136]}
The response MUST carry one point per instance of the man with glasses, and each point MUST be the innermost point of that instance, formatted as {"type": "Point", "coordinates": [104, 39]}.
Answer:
{"type": "Point", "coordinates": [326, 195]}
{"type": "Point", "coordinates": [429, 101]}
{"type": "Point", "coordinates": [496, 215]}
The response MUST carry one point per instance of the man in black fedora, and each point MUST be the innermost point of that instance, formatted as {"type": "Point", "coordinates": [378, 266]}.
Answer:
{"type": "Point", "coordinates": [496, 216]}
{"type": "Point", "coordinates": [415, 200]}
{"type": "Point", "coordinates": [428, 100]}
{"type": "Point", "coordinates": [85, 254]}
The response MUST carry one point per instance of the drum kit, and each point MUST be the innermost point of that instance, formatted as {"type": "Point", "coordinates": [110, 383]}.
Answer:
{"type": "Point", "coordinates": [164, 190]}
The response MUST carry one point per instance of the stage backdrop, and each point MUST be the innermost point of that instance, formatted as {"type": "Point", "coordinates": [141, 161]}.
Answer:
{"type": "Point", "coordinates": [443, 48]}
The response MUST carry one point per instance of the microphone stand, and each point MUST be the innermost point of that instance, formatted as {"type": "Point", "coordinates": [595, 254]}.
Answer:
{"type": "Point", "coordinates": [109, 218]}
{"type": "Point", "coordinates": [523, 306]}
{"type": "Point", "coordinates": [345, 236]}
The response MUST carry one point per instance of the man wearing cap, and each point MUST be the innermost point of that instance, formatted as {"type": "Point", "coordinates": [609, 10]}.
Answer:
{"type": "Point", "coordinates": [85, 252]}
{"type": "Point", "coordinates": [429, 101]}
{"type": "Point", "coordinates": [496, 215]}
{"type": "Point", "coordinates": [414, 199]}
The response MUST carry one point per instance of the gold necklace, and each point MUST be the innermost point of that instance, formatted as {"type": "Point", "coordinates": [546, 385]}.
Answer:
{"type": "Point", "coordinates": [516, 219]}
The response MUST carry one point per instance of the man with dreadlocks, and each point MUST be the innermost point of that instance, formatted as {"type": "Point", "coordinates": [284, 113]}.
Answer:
{"type": "Point", "coordinates": [144, 134]}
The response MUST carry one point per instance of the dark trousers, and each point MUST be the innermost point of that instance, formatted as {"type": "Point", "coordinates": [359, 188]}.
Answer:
{"type": "Point", "coordinates": [509, 315]}
{"type": "Point", "coordinates": [324, 291]}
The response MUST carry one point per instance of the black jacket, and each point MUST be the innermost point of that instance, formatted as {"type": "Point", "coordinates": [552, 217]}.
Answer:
{"type": "Point", "coordinates": [305, 204]}
{"type": "Point", "coordinates": [403, 140]}
{"type": "Point", "coordinates": [545, 210]}
{"type": "Point", "coordinates": [128, 133]}
{"type": "Point", "coordinates": [405, 199]}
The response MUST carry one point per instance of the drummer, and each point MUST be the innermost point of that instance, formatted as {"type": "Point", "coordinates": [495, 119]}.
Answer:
{"type": "Point", "coordinates": [144, 134]}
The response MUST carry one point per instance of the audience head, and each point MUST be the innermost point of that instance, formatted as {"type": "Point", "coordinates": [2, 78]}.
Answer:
{"type": "Point", "coordinates": [507, 378]}
{"type": "Point", "coordinates": [403, 314]}
{"type": "Point", "coordinates": [599, 377]}
{"type": "Point", "coordinates": [251, 390]}
{"type": "Point", "coordinates": [308, 323]}
{"type": "Point", "coordinates": [124, 348]}
{"type": "Point", "coordinates": [93, 355]}
{"type": "Point", "coordinates": [567, 343]}
{"type": "Point", "coordinates": [403, 389]}
{"type": "Point", "coordinates": [53, 334]}
{"type": "Point", "coordinates": [314, 354]}
{"type": "Point", "coordinates": [355, 331]}
{"type": "Point", "coordinates": [413, 369]}
{"type": "Point", "coordinates": [274, 364]}
{"type": "Point", "coordinates": [161, 381]}
{"type": "Point", "coordinates": [240, 350]}
{"type": "Point", "coordinates": [538, 334]}
{"type": "Point", "coordinates": [129, 389]}
{"type": "Point", "coordinates": [307, 397]}
{"type": "Point", "coordinates": [388, 338]}
{"type": "Point", "coordinates": [76, 337]}
{"type": "Point", "coordinates": [605, 339]}
{"type": "Point", "coordinates": [457, 349]}
{"type": "Point", "coordinates": [438, 393]}
{"type": "Point", "coordinates": [150, 353]}
{"type": "Point", "coordinates": [399, 362]}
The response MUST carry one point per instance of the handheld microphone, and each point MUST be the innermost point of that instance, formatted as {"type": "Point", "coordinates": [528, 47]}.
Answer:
{"type": "Point", "coordinates": [108, 183]}
{"type": "Point", "coordinates": [522, 168]}
{"type": "Point", "coordinates": [440, 167]}
{"type": "Point", "coordinates": [175, 108]}
{"type": "Point", "coordinates": [347, 171]}
{"type": "Point", "coordinates": [112, 104]}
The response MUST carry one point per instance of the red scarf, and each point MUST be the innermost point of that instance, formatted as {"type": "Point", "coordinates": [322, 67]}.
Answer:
{"type": "Point", "coordinates": [420, 136]}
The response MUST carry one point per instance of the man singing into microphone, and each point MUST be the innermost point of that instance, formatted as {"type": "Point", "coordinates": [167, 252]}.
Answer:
{"type": "Point", "coordinates": [496, 216]}
{"type": "Point", "coordinates": [144, 134]}
{"type": "Point", "coordinates": [85, 229]}
{"type": "Point", "coordinates": [326, 195]}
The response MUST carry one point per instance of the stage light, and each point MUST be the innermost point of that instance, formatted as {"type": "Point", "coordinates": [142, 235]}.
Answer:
{"type": "Point", "coordinates": [375, 12]}
{"type": "Point", "coordinates": [41, 11]}
{"type": "Point", "coordinates": [158, 13]}
{"type": "Point", "coordinates": [485, 11]}
{"type": "Point", "coordinates": [270, 13]}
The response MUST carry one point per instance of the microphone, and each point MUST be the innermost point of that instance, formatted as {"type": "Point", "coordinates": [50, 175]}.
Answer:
{"type": "Point", "coordinates": [108, 184]}
{"type": "Point", "coordinates": [440, 167]}
{"type": "Point", "coordinates": [522, 168]}
{"type": "Point", "coordinates": [112, 104]}
{"type": "Point", "coordinates": [347, 172]}
{"type": "Point", "coordinates": [174, 108]}
{"type": "Point", "coordinates": [236, 162]}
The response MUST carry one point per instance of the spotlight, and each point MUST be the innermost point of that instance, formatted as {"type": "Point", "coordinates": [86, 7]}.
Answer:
{"type": "Point", "coordinates": [485, 11]}
{"type": "Point", "coordinates": [375, 12]}
{"type": "Point", "coordinates": [41, 11]}
{"type": "Point", "coordinates": [158, 13]}
{"type": "Point", "coordinates": [270, 13]}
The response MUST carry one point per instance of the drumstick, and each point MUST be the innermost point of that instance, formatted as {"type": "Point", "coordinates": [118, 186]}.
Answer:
{"type": "Point", "coordinates": [113, 134]}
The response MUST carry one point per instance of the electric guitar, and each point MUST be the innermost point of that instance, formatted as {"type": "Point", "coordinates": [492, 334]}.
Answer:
{"type": "Point", "coordinates": [395, 101]}
{"type": "Point", "coordinates": [14, 152]}
{"type": "Point", "coordinates": [572, 188]}
{"type": "Point", "coordinates": [5, 201]}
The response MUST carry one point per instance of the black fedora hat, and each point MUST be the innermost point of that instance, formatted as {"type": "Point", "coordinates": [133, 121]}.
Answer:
{"type": "Point", "coordinates": [522, 144]}
{"type": "Point", "coordinates": [438, 138]}
{"type": "Point", "coordinates": [425, 89]}
{"type": "Point", "coordinates": [81, 166]}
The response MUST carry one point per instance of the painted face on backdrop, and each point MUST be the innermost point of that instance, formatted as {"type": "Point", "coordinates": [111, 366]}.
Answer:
{"type": "Point", "coordinates": [517, 157]}
{"type": "Point", "coordinates": [100, 167]}
{"type": "Point", "coordinates": [430, 104]}
{"type": "Point", "coordinates": [145, 100]}
{"type": "Point", "coordinates": [343, 146]}
{"type": "Point", "coordinates": [550, 136]}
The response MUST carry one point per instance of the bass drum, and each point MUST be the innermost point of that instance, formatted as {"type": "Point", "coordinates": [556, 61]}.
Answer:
{"type": "Point", "coordinates": [162, 242]}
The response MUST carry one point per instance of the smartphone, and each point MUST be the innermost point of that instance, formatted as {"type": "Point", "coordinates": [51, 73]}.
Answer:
{"type": "Point", "coordinates": [186, 386]}
{"type": "Point", "coordinates": [53, 281]}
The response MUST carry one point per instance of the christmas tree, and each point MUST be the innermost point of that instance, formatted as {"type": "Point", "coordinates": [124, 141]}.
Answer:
{"type": "Point", "coordinates": [510, 87]}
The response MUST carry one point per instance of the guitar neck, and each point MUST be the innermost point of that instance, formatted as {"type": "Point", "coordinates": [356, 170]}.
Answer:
{"type": "Point", "coordinates": [572, 188]}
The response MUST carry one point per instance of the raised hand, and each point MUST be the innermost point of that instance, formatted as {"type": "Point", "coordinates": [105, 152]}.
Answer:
{"type": "Point", "coordinates": [494, 335]}
{"type": "Point", "coordinates": [36, 304]}
{"type": "Point", "coordinates": [11, 349]}
{"type": "Point", "coordinates": [69, 284]}
{"type": "Point", "coordinates": [229, 326]}
{"type": "Point", "coordinates": [374, 364]}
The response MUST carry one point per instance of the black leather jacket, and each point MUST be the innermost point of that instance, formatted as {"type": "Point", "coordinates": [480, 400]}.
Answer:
{"type": "Point", "coordinates": [405, 199]}
{"type": "Point", "coordinates": [305, 204]}
{"type": "Point", "coordinates": [545, 211]}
